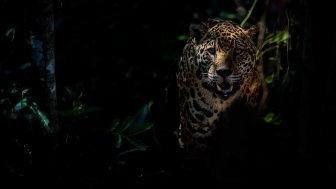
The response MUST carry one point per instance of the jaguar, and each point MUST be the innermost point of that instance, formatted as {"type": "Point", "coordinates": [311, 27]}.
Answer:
{"type": "Point", "coordinates": [217, 68]}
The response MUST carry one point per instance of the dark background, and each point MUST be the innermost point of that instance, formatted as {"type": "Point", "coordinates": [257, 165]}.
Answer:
{"type": "Point", "coordinates": [122, 55]}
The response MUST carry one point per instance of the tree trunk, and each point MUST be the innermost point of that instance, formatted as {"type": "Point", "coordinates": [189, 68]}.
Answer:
{"type": "Point", "coordinates": [46, 151]}
{"type": "Point", "coordinates": [49, 52]}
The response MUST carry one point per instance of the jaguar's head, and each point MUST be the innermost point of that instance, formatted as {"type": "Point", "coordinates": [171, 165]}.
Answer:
{"type": "Point", "coordinates": [225, 53]}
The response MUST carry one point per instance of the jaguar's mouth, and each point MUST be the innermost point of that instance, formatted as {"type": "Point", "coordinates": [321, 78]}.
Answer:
{"type": "Point", "coordinates": [224, 88]}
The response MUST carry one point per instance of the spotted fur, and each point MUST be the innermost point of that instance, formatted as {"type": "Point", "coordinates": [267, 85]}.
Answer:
{"type": "Point", "coordinates": [217, 67]}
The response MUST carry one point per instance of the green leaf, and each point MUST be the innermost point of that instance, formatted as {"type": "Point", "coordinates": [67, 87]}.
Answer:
{"type": "Point", "coordinates": [269, 79]}
{"type": "Point", "coordinates": [4, 100]}
{"type": "Point", "coordinates": [118, 140]}
{"type": "Point", "coordinates": [115, 123]}
{"type": "Point", "coordinates": [271, 59]}
{"type": "Point", "coordinates": [276, 37]}
{"type": "Point", "coordinates": [43, 118]}
{"type": "Point", "coordinates": [124, 126]}
{"type": "Point", "coordinates": [21, 105]}
{"type": "Point", "coordinates": [140, 116]}
{"type": "Point", "coordinates": [139, 145]}
{"type": "Point", "coordinates": [71, 92]}
{"type": "Point", "coordinates": [140, 129]}
{"type": "Point", "coordinates": [25, 92]}
{"type": "Point", "coordinates": [269, 117]}
{"type": "Point", "coordinates": [10, 33]}
{"type": "Point", "coordinates": [284, 36]}
{"type": "Point", "coordinates": [45, 121]}
{"type": "Point", "coordinates": [182, 37]}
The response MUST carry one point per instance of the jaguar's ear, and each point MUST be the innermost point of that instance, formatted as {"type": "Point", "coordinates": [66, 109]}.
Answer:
{"type": "Point", "coordinates": [197, 31]}
{"type": "Point", "coordinates": [213, 21]}
{"type": "Point", "coordinates": [252, 31]}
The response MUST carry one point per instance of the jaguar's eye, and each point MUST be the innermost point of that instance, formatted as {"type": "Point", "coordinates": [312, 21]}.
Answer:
{"type": "Point", "coordinates": [211, 51]}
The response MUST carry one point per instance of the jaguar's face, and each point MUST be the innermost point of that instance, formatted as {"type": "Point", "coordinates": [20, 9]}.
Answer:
{"type": "Point", "coordinates": [222, 59]}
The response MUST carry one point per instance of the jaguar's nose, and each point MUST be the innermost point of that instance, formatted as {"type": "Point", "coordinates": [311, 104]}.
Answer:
{"type": "Point", "coordinates": [224, 72]}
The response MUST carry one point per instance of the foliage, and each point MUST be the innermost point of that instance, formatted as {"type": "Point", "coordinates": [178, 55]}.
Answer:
{"type": "Point", "coordinates": [77, 108]}
{"type": "Point", "coordinates": [130, 128]}
{"type": "Point", "coordinates": [27, 102]}
{"type": "Point", "coordinates": [272, 41]}
{"type": "Point", "coordinates": [272, 118]}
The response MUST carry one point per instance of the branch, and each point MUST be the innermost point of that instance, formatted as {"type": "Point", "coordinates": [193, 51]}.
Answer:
{"type": "Point", "coordinates": [248, 13]}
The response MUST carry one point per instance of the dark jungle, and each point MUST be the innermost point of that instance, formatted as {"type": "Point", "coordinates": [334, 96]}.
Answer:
{"type": "Point", "coordinates": [88, 95]}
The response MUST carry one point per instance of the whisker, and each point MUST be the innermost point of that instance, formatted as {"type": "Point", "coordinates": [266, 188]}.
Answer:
{"type": "Point", "coordinates": [234, 78]}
